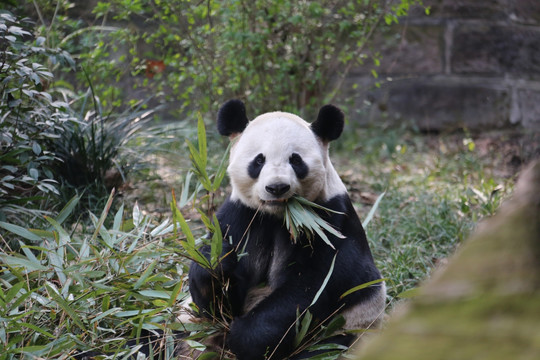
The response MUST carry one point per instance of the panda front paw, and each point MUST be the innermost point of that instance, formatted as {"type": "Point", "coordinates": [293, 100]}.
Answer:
{"type": "Point", "coordinates": [242, 343]}
{"type": "Point", "coordinates": [228, 260]}
{"type": "Point", "coordinates": [250, 339]}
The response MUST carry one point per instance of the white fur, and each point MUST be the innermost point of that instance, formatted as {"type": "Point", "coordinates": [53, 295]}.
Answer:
{"type": "Point", "coordinates": [367, 314]}
{"type": "Point", "coordinates": [277, 135]}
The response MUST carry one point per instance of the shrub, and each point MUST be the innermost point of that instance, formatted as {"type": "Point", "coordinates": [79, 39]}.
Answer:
{"type": "Point", "coordinates": [276, 54]}
{"type": "Point", "coordinates": [31, 119]}
{"type": "Point", "coordinates": [52, 149]}
{"type": "Point", "coordinates": [93, 154]}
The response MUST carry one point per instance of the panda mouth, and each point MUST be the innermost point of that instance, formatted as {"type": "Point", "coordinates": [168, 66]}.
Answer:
{"type": "Point", "coordinates": [275, 202]}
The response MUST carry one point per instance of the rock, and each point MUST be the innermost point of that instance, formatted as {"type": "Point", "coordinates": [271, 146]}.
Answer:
{"type": "Point", "coordinates": [496, 49]}
{"type": "Point", "coordinates": [436, 107]}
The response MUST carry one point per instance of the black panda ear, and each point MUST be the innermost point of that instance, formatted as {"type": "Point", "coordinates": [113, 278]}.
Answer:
{"type": "Point", "coordinates": [232, 118]}
{"type": "Point", "coordinates": [329, 123]}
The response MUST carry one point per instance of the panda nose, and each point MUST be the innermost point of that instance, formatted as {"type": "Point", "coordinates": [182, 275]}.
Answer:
{"type": "Point", "coordinates": [278, 189]}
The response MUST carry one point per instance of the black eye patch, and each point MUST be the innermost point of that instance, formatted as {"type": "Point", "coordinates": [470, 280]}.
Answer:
{"type": "Point", "coordinates": [299, 166]}
{"type": "Point", "coordinates": [255, 166]}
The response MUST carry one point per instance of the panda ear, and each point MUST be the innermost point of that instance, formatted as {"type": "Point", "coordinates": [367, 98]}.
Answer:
{"type": "Point", "coordinates": [232, 119]}
{"type": "Point", "coordinates": [329, 123]}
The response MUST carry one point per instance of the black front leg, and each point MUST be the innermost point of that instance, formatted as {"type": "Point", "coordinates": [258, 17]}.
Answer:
{"type": "Point", "coordinates": [207, 286]}
{"type": "Point", "coordinates": [268, 330]}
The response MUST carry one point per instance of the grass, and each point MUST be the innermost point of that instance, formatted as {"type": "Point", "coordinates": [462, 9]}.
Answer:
{"type": "Point", "coordinates": [93, 285]}
{"type": "Point", "coordinates": [437, 189]}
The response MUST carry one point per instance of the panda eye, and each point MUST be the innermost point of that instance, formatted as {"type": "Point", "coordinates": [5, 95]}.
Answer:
{"type": "Point", "coordinates": [259, 159]}
{"type": "Point", "coordinates": [296, 160]}
{"type": "Point", "coordinates": [299, 166]}
{"type": "Point", "coordinates": [255, 166]}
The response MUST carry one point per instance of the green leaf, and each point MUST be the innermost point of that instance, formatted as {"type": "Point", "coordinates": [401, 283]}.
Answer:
{"type": "Point", "coordinates": [28, 265]}
{"type": "Point", "coordinates": [67, 210]}
{"type": "Point", "coordinates": [105, 314]}
{"type": "Point", "coordinates": [201, 137]}
{"type": "Point", "coordinates": [65, 306]}
{"type": "Point", "coordinates": [195, 345]}
{"type": "Point", "coordinates": [318, 347]}
{"type": "Point", "coordinates": [37, 329]}
{"type": "Point", "coordinates": [199, 166]}
{"type": "Point", "coordinates": [103, 215]}
{"type": "Point", "coordinates": [362, 286]}
{"type": "Point", "coordinates": [210, 355]}
{"type": "Point", "coordinates": [130, 313]}
{"type": "Point", "coordinates": [325, 282]}
{"type": "Point", "coordinates": [137, 215]}
{"type": "Point", "coordinates": [373, 210]}
{"type": "Point", "coordinates": [331, 355]}
{"type": "Point", "coordinates": [175, 293]}
{"type": "Point", "coordinates": [336, 324]}
{"type": "Point", "coordinates": [409, 294]}
{"type": "Point", "coordinates": [303, 328]}
{"type": "Point", "coordinates": [156, 294]}
{"type": "Point", "coordinates": [118, 218]}
{"type": "Point", "coordinates": [216, 245]}
{"type": "Point", "coordinates": [13, 291]}
{"type": "Point", "coordinates": [18, 230]}
{"type": "Point", "coordinates": [142, 280]}
{"type": "Point", "coordinates": [221, 170]}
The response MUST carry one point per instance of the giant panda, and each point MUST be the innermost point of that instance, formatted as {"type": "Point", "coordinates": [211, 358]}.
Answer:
{"type": "Point", "coordinates": [265, 280]}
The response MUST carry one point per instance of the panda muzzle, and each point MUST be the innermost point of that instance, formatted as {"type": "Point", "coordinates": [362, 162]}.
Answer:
{"type": "Point", "coordinates": [278, 190]}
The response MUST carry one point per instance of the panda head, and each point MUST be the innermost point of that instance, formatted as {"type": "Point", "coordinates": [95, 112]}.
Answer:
{"type": "Point", "coordinates": [278, 155]}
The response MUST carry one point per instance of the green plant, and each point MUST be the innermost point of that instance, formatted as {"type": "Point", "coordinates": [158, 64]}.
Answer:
{"type": "Point", "coordinates": [92, 150]}
{"type": "Point", "coordinates": [436, 190]}
{"type": "Point", "coordinates": [93, 289]}
{"type": "Point", "coordinates": [30, 122]}
{"type": "Point", "coordinates": [275, 55]}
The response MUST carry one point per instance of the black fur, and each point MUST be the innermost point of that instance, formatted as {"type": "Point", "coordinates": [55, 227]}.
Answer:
{"type": "Point", "coordinates": [255, 166]}
{"type": "Point", "coordinates": [329, 124]}
{"type": "Point", "coordinates": [300, 168]}
{"type": "Point", "coordinates": [306, 264]}
{"type": "Point", "coordinates": [232, 118]}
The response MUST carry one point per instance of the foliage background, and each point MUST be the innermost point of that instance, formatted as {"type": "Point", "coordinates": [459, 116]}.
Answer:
{"type": "Point", "coordinates": [98, 269]}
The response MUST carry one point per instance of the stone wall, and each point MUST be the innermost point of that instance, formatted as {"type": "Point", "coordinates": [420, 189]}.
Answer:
{"type": "Point", "coordinates": [469, 63]}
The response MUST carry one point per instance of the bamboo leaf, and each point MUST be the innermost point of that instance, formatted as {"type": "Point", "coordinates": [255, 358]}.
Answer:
{"type": "Point", "coordinates": [20, 231]}
{"type": "Point", "coordinates": [303, 329]}
{"type": "Point", "coordinates": [118, 218]}
{"type": "Point", "coordinates": [67, 210]}
{"type": "Point", "coordinates": [306, 202]}
{"type": "Point", "coordinates": [37, 329]}
{"type": "Point", "coordinates": [161, 229]}
{"type": "Point", "coordinates": [13, 291]}
{"type": "Point", "coordinates": [63, 235]}
{"type": "Point", "coordinates": [174, 295]}
{"type": "Point", "coordinates": [221, 170]}
{"type": "Point", "coordinates": [103, 215]}
{"type": "Point", "coordinates": [29, 254]}
{"type": "Point", "coordinates": [142, 280]}
{"type": "Point", "coordinates": [199, 166]}
{"type": "Point", "coordinates": [337, 323]}
{"type": "Point", "coordinates": [137, 215]}
{"type": "Point", "coordinates": [28, 265]}
{"type": "Point", "coordinates": [65, 306]}
{"type": "Point", "coordinates": [105, 314]}
{"type": "Point", "coordinates": [325, 282]}
{"type": "Point", "coordinates": [156, 294]}
{"type": "Point", "coordinates": [201, 137]}
{"type": "Point", "coordinates": [373, 210]}
{"type": "Point", "coordinates": [216, 246]}
{"type": "Point", "coordinates": [185, 197]}
{"type": "Point", "coordinates": [362, 286]}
